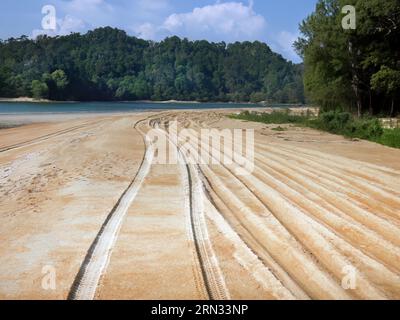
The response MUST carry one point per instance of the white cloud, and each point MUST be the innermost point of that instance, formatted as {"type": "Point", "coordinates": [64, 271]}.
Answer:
{"type": "Point", "coordinates": [285, 41]}
{"type": "Point", "coordinates": [82, 15]}
{"type": "Point", "coordinates": [146, 31]}
{"type": "Point", "coordinates": [78, 16]}
{"type": "Point", "coordinates": [93, 13]}
{"type": "Point", "coordinates": [70, 24]}
{"type": "Point", "coordinates": [228, 21]}
{"type": "Point", "coordinates": [155, 19]}
{"type": "Point", "coordinates": [64, 27]}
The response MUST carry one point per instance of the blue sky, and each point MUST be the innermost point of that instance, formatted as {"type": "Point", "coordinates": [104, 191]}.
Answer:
{"type": "Point", "coordinates": [272, 21]}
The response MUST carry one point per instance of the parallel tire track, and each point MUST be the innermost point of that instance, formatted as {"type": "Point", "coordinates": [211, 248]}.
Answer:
{"type": "Point", "coordinates": [277, 236]}
{"type": "Point", "coordinates": [211, 273]}
{"type": "Point", "coordinates": [348, 189]}
{"type": "Point", "coordinates": [46, 137]}
{"type": "Point", "coordinates": [97, 258]}
{"type": "Point", "coordinates": [341, 212]}
{"type": "Point", "coordinates": [337, 203]}
{"type": "Point", "coordinates": [248, 259]}
{"type": "Point", "coordinates": [324, 167]}
{"type": "Point", "coordinates": [296, 222]}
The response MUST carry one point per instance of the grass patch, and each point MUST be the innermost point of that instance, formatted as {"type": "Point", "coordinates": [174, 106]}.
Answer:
{"type": "Point", "coordinates": [336, 122]}
{"type": "Point", "coordinates": [390, 137]}
{"type": "Point", "coordinates": [276, 117]}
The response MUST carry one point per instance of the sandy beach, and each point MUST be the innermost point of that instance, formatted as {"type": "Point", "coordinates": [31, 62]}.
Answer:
{"type": "Point", "coordinates": [80, 196]}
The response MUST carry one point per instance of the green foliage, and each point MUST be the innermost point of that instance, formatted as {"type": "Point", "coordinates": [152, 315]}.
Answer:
{"type": "Point", "coordinates": [391, 138]}
{"type": "Point", "coordinates": [276, 117]}
{"type": "Point", "coordinates": [107, 64]}
{"type": "Point", "coordinates": [334, 121]}
{"type": "Point", "coordinates": [357, 70]}
{"type": "Point", "coordinates": [386, 80]}
{"type": "Point", "coordinates": [345, 124]}
{"type": "Point", "coordinates": [39, 89]}
{"type": "Point", "coordinates": [337, 122]}
{"type": "Point", "coordinates": [60, 79]}
{"type": "Point", "coordinates": [57, 83]}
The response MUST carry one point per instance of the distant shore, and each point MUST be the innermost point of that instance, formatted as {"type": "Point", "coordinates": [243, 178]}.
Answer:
{"type": "Point", "coordinates": [32, 100]}
{"type": "Point", "coordinates": [25, 99]}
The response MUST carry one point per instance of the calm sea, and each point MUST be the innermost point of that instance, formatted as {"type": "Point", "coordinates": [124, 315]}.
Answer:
{"type": "Point", "coordinates": [104, 107]}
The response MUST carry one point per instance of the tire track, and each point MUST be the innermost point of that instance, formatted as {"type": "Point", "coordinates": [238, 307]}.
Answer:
{"type": "Point", "coordinates": [248, 259]}
{"type": "Point", "coordinates": [276, 239]}
{"type": "Point", "coordinates": [213, 279]}
{"type": "Point", "coordinates": [285, 247]}
{"type": "Point", "coordinates": [46, 137]}
{"type": "Point", "coordinates": [381, 190]}
{"type": "Point", "coordinates": [286, 169]}
{"type": "Point", "coordinates": [346, 189]}
{"type": "Point", "coordinates": [300, 225]}
{"type": "Point", "coordinates": [236, 214]}
{"type": "Point", "coordinates": [337, 202]}
{"type": "Point", "coordinates": [314, 219]}
{"type": "Point", "coordinates": [359, 172]}
{"type": "Point", "coordinates": [97, 258]}
{"type": "Point", "coordinates": [356, 189]}
{"type": "Point", "coordinates": [372, 244]}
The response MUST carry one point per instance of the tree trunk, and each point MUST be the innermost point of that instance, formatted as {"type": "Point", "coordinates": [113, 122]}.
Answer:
{"type": "Point", "coordinates": [392, 109]}
{"type": "Point", "coordinates": [358, 98]}
{"type": "Point", "coordinates": [371, 109]}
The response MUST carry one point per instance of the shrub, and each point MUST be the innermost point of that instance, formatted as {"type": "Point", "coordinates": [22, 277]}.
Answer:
{"type": "Point", "coordinates": [39, 89]}
{"type": "Point", "coordinates": [334, 121]}
{"type": "Point", "coordinates": [391, 138]}
{"type": "Point", "coordinates": [337, 122]}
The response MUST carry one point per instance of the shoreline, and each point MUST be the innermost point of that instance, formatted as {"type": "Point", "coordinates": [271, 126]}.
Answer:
{"type": "Point", "coordinates": [32, 100]}
{"type": "Point", "coordinates": [26, 99]}
{"type": "Point", "coordinates": [23, 118]}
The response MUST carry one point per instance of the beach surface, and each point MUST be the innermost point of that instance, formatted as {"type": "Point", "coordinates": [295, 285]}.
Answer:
{"type": "Point", "coordinates": [86, 213]}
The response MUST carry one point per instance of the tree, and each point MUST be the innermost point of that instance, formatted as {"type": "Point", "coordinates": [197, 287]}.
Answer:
{"type": "Point", "coordinates": [339, 64]}
{"type": "Point", "coordinates": [387, 81]}
{"type": "Point", "coordinates": [126, 88]}
{"type": "Point", "coordinates": [39, 89]}
{"type": "Point", "coordinates": [56, 82]}
{"type": "Point", "coordinates": [60, 79]}
{"type": "Point", "coordinates": [107, 64]}
{"type": "Point", "coordinates": [141, 89]}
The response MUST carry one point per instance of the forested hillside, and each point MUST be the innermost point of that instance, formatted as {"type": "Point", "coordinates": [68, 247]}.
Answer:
{"type": "Point", "coordinates": [107, 64]}
{"type": "Point", "coordinates": [357, 70]}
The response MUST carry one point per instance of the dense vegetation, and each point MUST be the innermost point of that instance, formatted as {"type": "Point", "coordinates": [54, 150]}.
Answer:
{"type": "Point", "coordinates": [107, 64]}
{"type": "Point", "coordinates": [349, 72]}
{"type": "Point", "coordinates": [342, 123]}
{"type": "Point", "coordinates": [356, 70]}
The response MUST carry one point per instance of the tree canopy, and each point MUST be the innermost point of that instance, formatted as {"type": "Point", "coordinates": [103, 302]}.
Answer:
{"type": "Point", "coordinates": [355, 69]}
{"type": "Point", "coordinates": [107, 64]}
